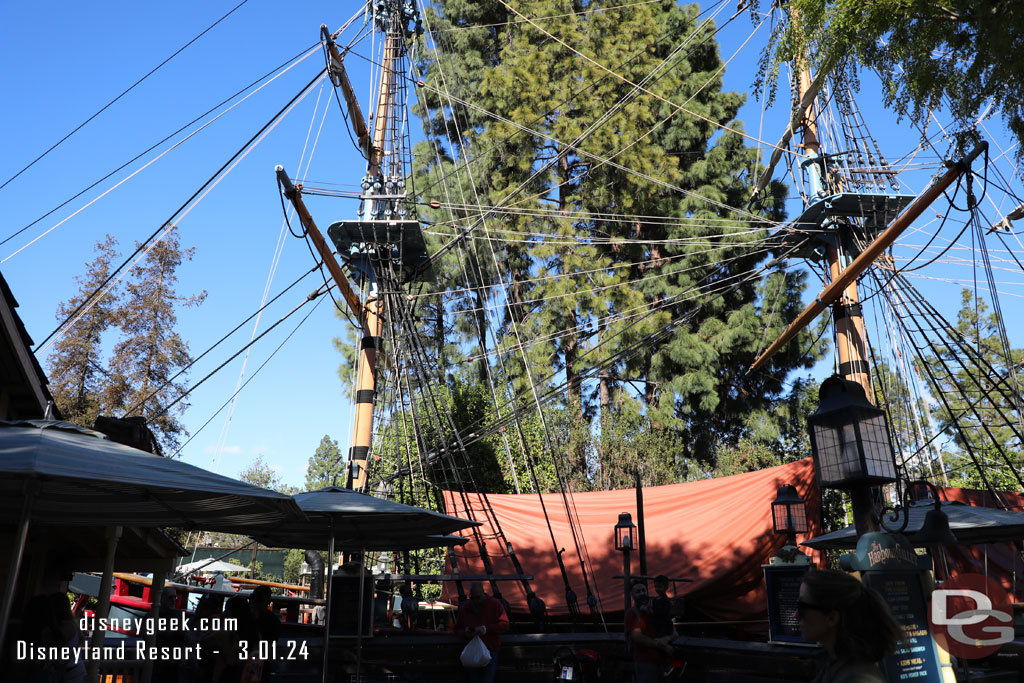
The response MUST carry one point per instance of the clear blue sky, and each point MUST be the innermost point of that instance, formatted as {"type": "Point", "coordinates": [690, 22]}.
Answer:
{"type": "Point", "coordinates": [66, 60]}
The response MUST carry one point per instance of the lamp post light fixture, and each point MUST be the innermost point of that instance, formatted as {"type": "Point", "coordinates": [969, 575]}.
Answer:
{"type": "Point", "coordinates": [789, 516]}
{"type": "Point", "coordinates": [625, 541]}
{"type": "Point", "coordinates": [851, 447]}
{"type": "Point", "coordinates": [789, 513]}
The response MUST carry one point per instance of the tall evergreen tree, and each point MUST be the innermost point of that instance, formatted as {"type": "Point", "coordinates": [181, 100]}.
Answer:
{"type": "Point", "coordinates": [326, 467]}
{"type": "Point", "coordinates": [979, 406]}
{"type": "Point", "coordinates": [606, 265]}
{"type": "Point", "coordinates": [150, 351]}
{"type": "Point", "coordinates": [77, 364]}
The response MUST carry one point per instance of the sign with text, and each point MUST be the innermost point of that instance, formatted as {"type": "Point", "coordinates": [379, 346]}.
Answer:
{"type": "Point", "coordinates": [783, 590]}
{"type": "Point", "coordinates": [917, 659]}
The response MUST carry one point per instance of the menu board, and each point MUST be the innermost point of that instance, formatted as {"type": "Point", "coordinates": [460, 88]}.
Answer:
{"type": "Point", "coordinates": [917, 660]}
{"type": "Point", "coordinates": [783, 589]}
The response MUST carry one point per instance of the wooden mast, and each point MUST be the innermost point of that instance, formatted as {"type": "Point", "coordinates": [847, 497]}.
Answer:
{"type": "Point", "coordinates": [851, 342]}
{"type": "Point", "coordinates": [369, 312]}
{"type": "Point", "coordinates": [366, 375]}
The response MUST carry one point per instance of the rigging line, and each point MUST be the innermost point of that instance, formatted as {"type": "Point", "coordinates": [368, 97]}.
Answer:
{"type": "Point", "coordinates": [966, 284]}
{"type": "Point", "coordinates": [251, 377]}
{"type": "Point", "coordinates": [1010, 251]}
{"type": "Point", "coordinates": [640, 346]}
{"type": "Point", "coordinates": [654, 338]}
{"type": "Point", "coordinates": [568, 239]}
{"type": "Point", "coordinates": [293, 61]}
{"type": "Point", "coordinates": [653, 276]}
{"type": "Point", "coordinates": [949, 411]}
{"type": "Point", "coordinates": [217, 343]}
{"type": "Point", "coordinates": [313, 296]}
{"type": "Point", "coordinates": [603, 160]}
{"type": "Point", "coordinates": [980, 362]}
{"type": "Point", "coordinates": [470, 255]}
{"type": "Point", "coordinates": [458, 292]}
{"type": "Point", "coordinates": [522, 439]}
{"type": "Point", "coordinates": [540, 118]}
{"type": "Point", "coordinates": [101, 290]}
{"type": "Point", "coordinates": [649, 78]}
{"type": "Point", "coordinates": [642, 89]}
{"type": "Point", "coordinates": [589, 215]}
{"type": "Point", "coordinates": [553, 16]}
{"type": "Point", "coordinates": [419, 363]}
{"type": "Point", "coordinates": [123, 93]}
{"type": "Point", "coordinates": [518, 426]}
{"type": "Point", "coordinates": [771, 316]}
{"type": "Point", "coordinates": [1000, 319]}
{"type": "Point", "coordinates": [275, 260]}
{"type": "Point", "coordinates": [135, 173]}
{"type": "Point", "coordinates": [665, 120]}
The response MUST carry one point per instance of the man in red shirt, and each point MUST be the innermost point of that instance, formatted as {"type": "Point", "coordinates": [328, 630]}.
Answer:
{"type": "Point", "coordinates": [481, 615]}
{"type": "Point", "coordinates": [649, 654]}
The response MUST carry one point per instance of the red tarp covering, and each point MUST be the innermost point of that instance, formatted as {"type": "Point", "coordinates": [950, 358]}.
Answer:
{"type": "Point", "coordinates": [717, 531]}
{"type": "Point", "coordinates": [1000, 561]}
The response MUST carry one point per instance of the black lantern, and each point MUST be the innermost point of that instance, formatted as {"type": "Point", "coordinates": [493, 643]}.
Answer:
{"type": "Point", "coordinates": [849, 438]}
{"type": "Point", "coordinates": [789, 513]}
{"type": "Point", "coordinates": [625, 531]}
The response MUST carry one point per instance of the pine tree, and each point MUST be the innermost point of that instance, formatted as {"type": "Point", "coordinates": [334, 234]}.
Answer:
{"type": "Point", "coordinates": [150, 351]}
{"type": "Point", "coordinates": [326, 466]}
{"type": "Point", "coordinates": [604, 268]}
{"type": "Point", "coordinates": [977, 403]}
{"type": "Point", "coordinates": [77, 364]}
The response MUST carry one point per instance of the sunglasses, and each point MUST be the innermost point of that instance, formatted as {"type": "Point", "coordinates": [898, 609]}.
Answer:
{"type": "Point", "coordinates": [802, 606]}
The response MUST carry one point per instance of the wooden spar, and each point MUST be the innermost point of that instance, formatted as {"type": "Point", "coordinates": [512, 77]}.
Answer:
{"type": "Point", "coordinates": [337, 69]}
{"type": "Point", "coordinates": [832, 293]}
{"type": "Point", "coordinates": [294, 196]}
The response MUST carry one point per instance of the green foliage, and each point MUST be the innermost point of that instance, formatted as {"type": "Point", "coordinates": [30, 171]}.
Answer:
{"type": "Point", "coordinates": [293, 565]}
{"type": "Point", "coordinates": [259, 473]}
{"type": "Point", "coordinates": [76, 366]}
{"type": "Point", "coordinates": [150, 352]}
{"type": "Point", "coordinates": [980, 407]}
{"type": "Point", "coordinates": [964, 54]}
{"type": "Point", "coordinates": [137, 377]}
{"type": "Point", "coordinates": [326, 466]}
{"type": "Point", "coordinates": [630, 302]}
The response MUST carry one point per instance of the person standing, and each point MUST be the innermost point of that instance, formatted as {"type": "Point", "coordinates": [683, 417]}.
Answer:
{"type": "Point", "coordinates": [650, 655]}
{"type": "Point", "coordinates": [851, 621]}
{"type": "Point", "coordinates": [661, 610]}
{"type": "Point", "coordinates": [481, 615]}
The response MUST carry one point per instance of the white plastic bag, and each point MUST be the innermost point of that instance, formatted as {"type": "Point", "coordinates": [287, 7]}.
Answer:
{"type": "Point", "coordinates": [475, 655]}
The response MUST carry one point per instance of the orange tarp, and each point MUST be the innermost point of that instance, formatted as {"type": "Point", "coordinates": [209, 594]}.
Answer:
{"type": "Point", "coordinates": [717, 532]}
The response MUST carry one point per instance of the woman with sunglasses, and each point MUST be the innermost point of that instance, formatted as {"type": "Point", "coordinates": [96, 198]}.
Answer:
{"type": "Point", "coordinates": [851, 621]}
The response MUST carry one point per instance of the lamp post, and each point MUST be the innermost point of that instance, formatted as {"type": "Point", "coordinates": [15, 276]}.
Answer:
{"type": "Point", "coordinates": [625, 541]}
{"type": "Point", "coordinates": [850, 445]}
{"type": "Point", "coordinates": [789, 516]}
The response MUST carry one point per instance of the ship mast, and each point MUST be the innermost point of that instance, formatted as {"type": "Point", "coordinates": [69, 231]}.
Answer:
{"type": "Point", "coordinates": [381, 247]}
{"type": "Point", "coordinates": [834, 213]}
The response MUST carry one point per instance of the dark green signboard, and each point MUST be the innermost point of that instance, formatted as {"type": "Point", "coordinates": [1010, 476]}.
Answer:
{"type": "Point", "coordinates": [890, 566]}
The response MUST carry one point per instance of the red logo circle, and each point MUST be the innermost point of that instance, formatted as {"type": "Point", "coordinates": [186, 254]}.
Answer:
{"type": "Point", "coordinates": [971, 616]}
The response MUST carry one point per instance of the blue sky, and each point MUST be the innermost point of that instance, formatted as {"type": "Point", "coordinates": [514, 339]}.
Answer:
{"type": "Point", "coordinates": [66, 60]}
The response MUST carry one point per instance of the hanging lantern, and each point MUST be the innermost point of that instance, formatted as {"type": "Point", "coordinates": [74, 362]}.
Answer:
{"type": "Point", "coordinates": [849, 437]}
{"type": "Point", "coordinates": [789, 513]}
{"type": "Point", "coordinates": [625, 530]}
